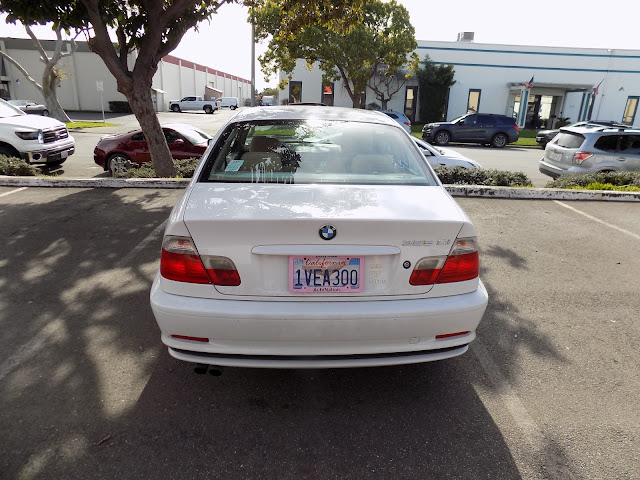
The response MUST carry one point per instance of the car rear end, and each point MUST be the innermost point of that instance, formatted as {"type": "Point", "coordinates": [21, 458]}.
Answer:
{"type": "Point", "coordinates": [324, 270]}
{"type": "Point", "coordinates": [565, 153]}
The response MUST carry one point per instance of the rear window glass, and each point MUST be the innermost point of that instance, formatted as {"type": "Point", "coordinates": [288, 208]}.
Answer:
{"type": "Point", "coordinates": [630, 144]}
{"type": "Point", "coordinates": [316, 151]}
{"type": "Point", "coordinates": [569, 140]}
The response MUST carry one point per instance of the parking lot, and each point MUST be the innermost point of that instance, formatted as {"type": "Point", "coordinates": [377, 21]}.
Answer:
{"type": "Point", "coordinates": [549, 390]}
{"type": "Point", "coordinates": [81, 164]}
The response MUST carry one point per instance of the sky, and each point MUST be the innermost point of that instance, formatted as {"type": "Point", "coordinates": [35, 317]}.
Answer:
{"type": "Point", "coordinates": [224, 43]}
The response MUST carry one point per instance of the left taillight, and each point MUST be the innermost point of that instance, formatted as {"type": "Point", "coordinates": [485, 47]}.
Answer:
{"type": "Point", "coordinates": [181, 262]}
{"type": "Point", "coordinates": [462, 263]}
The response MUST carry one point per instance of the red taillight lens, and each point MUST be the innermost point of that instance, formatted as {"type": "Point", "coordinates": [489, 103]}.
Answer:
{"type": "Point", "coordinates": [517, 128]}
{"type": "Point", "coordinates": [222, 271]}
{"type": "Point", "coordinates": [463, 263]}
{"type": "Point", "coordinates": [407, 123]}
{"type": "Point", "coordinates": [460, 268]}
{"type": "Point", "coordinates": [580, 157]}
{"type": "Point", "coordinates": [180, 261]}
{"type": "Point", "coordinates": [426, 271]}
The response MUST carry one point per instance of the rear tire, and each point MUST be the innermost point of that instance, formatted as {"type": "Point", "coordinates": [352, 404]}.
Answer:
{"type": "Point", "coordinates": [116, 163]}
{"type": "Point", "coordinates": [208, 109]}
{"type": "Point", "coordinates": [499, 140]}
{"type": "Point", "coordinates": [45, 113]}
{"type": "Point", "coordinates": [175, 108]}
{"type": "Point", "coordinates": [442, 138]}
{"type": "Point", "coordinates": [233, 107]}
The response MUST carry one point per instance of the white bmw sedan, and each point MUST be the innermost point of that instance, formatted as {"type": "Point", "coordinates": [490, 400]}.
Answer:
{"type": "Point", "coordinates": [316, 237]}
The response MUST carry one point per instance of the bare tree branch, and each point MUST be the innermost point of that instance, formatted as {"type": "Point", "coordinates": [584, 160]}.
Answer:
{"type": "Point", "coordinates": [22, 70]}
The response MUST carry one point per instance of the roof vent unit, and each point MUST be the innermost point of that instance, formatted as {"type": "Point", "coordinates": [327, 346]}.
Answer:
{"type": "Point", "coordinates": [465, 36]}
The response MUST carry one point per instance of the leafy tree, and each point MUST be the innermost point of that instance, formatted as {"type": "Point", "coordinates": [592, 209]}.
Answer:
{"type": "Point", "coordinates": [371, 37]}
{"type": "Point", "coordinates": [271, 91]}
{"type": "Point", "coordinates": [152, 28]}
{"type": "Point", "coordinates": [51, 76]}
{"type": "Point", "coordinates": [434, 82]}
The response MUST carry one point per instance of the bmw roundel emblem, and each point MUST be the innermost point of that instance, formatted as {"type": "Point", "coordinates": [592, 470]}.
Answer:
{"type": "Point", "coordinates": [328, 232]}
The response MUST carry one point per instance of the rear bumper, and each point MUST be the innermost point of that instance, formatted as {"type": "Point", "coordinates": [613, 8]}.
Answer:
{"type": "Point", "coordinates": [281, 334]}
{"type": "Point", "coordinates": [554, 171]}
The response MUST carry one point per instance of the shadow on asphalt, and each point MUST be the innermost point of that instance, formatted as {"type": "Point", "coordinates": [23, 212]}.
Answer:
{"type": "Point", "coordinates": [99, 397]}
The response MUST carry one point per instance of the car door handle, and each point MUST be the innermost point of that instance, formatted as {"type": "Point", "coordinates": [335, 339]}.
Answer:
{"type": "Point", "coordinates": [621, 159]}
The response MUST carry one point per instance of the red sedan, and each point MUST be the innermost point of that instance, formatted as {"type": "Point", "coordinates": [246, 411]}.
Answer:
{"type": "Point", "coordinates": [185, 141]}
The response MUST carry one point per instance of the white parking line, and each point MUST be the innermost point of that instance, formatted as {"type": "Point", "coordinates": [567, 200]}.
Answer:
{"type": "Point", "coordinates": [12, 191]}
{"type": "Point", "coordinates": [55, 327]}
{"type": "Point", "coordinates": [531, 432]}
{"type": "Point", "coordinates": [595, 219]}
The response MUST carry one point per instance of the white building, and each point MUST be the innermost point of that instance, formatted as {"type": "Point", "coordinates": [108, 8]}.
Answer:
{"type": "Point", "coordinates": [85, 73]}
{"type": "Point", "coordinates": [493, 79]}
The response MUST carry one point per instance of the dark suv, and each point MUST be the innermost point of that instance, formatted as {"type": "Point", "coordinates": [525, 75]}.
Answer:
{"type": "Point", "coordinates": [484, 128]}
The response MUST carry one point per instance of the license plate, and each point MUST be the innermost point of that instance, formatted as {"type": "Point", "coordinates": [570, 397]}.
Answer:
{"type": "Point", "coordinates": [325, 274]}
{"type": "Point", "coordinates": [555, 156]}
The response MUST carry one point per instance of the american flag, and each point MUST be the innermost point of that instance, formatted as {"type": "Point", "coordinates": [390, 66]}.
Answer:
{"type": "Point", "coordinates": [529, 84]}
{"type": "Point", "coordinates": [595, 90]}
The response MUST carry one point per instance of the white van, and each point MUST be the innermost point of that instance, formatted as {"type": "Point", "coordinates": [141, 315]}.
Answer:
{"type": "Point", "coordinates": [231, 102]}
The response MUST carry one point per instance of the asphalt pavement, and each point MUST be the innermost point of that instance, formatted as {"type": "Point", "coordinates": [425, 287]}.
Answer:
{"type": "Point", "coordinates": [549, 390]}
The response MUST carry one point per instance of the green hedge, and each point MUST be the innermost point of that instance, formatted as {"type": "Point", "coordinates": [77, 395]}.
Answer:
{"type": "Point", "coordinates": [478, 176]}
{"type": "Point", "coordinates": [582, 180]}
{"type": "Point", "coordinates": [184, 169]}
{"type": "Point", "coordinates": [16, 167]}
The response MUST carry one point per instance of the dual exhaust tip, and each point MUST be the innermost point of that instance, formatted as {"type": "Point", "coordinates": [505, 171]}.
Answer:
{"type": "Point", "coordinates": [203, 368]}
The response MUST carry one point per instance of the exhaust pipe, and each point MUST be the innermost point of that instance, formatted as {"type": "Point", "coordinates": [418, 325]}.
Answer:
{"type": "Point", "coordinates": [202, 368]}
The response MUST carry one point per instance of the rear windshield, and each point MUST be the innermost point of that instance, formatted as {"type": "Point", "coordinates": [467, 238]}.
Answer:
{"type": "Point", "coordinates": [569, 140]}
{"type": "Point", "coordinates": [315, 151]}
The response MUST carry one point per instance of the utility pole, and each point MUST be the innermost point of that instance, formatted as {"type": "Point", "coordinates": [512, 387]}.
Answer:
{"type": "Point", "coordinates": [253, 65]}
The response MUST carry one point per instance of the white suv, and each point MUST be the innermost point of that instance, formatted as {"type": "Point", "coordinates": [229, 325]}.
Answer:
{"type": "Point", "coordinates": [33, 138]}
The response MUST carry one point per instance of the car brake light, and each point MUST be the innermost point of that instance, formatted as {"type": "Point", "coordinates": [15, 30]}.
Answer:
{"type": "Point", "coordinates": [407, 123]}
{"type": "Point", "coordinates": [448, 335]}
{"type": "Point", "coordinates": [580, 157]}
{"type": "Point", "coordinates": [222, 271]}
{"type": "Point", "coordinates": [517, 128]}
{"type": "Point", "coordinates": [180, 262]}
{"type": "Point", "coordinates": [462, 263]}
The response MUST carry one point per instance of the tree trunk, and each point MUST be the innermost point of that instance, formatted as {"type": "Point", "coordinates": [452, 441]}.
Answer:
{"type": "Point", "coordinates": [49, 91]}
{"type": "Point", "coordinates": [142, 107]}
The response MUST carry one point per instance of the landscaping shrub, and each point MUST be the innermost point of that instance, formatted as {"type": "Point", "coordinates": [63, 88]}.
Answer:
{"type": "Point", "coordinates": [119, 106]}
{"type": "Point", "coordinates": [477, 176]}
{"type": "Point", "coordinates": [582, 180]}
{"type": "Point", "coordinates": [184, 169]}
{"type": "Point", "coordinates": [16, 167]}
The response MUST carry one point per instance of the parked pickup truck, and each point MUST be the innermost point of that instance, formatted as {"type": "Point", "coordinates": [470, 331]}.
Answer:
{"type": "Point", "coordinates": [194, 103]}
{"type": "Point", "coordinates": [33, 138]}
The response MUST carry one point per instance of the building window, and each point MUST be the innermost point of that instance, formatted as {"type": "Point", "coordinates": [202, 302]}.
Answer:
{"type": "Point", "coordinates": [327, 94]}
{"type": "Point", "coordinates": [295, 92]}
{"type": "Point", "coordinates": [473, 103]}
{"type": "Point", "coordinates": [630, 110]}
{"type": "Point", "coordinates": [410, 103]}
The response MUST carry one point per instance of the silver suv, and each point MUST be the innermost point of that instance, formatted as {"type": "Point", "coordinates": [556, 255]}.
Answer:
{"type": "Point", "coordinates": [591, 149]}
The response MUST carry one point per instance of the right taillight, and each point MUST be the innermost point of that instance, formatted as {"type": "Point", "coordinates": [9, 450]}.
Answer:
{"type": "Point", "coordinates": [462, 263]}
{"type": "Point", "coordinates": [181, 262]}
{"type": "Point", "coordinates": [580, 157]}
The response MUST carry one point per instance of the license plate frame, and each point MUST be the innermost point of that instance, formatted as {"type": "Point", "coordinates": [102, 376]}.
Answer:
{"type": "Point", "coordinates": [311, 274]}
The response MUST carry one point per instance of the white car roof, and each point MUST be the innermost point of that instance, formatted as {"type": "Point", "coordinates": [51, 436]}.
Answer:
{"type": "Point", "coordinates": [301, 112]}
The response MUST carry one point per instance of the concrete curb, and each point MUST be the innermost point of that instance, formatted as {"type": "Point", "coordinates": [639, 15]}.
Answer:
{"type": "Point", "coordinates": [471, 191]}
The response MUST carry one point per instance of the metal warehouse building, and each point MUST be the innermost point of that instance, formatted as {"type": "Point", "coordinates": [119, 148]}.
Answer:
{"type": "Point", "coordinates": [85, 73]}
{"type": "Point", "coordinates": [535, 85]}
